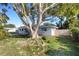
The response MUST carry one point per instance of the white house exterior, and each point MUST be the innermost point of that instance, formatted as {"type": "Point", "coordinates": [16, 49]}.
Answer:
{"type": "Point", "coordinates": [49, 31]}
{"type": "Point", "coordinates": [17, 31]}
{"type": "Point", "coordinates": [10, 29]}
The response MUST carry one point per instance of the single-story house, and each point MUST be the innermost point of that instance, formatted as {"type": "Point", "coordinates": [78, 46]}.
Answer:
{"type": "Point", "coordinates": [11, 31]}
{"type": "Point", "coordinates": [22, 30]}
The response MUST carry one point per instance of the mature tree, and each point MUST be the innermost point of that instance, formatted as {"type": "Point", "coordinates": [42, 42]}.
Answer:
{"type": "Point", "coordinates": [33, 15]}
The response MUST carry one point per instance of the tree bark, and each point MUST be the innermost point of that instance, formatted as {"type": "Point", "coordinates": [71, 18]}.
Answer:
{"type": "Point", "coordinates": [35, 36]}
{"type": "Point", "coordinates": [35, 33]}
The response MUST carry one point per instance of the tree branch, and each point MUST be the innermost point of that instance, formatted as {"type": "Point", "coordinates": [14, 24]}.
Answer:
{"type": "Point", "coordinates": [17, 11]}
{"type": "Point", "coordinates": [51, 6]}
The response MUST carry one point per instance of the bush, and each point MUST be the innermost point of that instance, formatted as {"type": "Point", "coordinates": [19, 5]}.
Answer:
{"type": "Point", "coordinates": [75, 30]}
{"type": "Point", "coordinates": [75, 33]}
{"type": "Point", "coordinates": [3, 34]}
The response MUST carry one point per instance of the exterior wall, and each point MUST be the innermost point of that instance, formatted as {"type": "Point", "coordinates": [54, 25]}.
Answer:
{"type": "Point", "coordinates": [49, 32]}
{"type": "Point", "coordinates": [53, 32]}
{"type": "Point", "coordinates": [17, 31]}
{"type": "Point", "coordinates": [10, 29]}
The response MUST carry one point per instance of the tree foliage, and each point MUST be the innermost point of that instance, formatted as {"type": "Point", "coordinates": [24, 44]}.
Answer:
{"type": "Point", "coordinates": [3, 21]}
{"type": "Point", "coordinates": [10, 26]}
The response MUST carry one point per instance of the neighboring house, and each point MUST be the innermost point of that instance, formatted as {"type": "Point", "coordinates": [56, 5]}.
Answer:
{"type": "Point", "coordinates": [22, 30]}
{"type": "Point", "coordinates": [11, 31]}
{"type": "Point", "coordinates": [17, 31]}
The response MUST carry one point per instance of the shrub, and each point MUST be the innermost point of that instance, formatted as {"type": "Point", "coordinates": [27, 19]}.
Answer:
{"type": "Point", "coordinates": [75, 30]}
{"type": "Point", "coordinates": [75, 33]}
{"type": "Point", "coordinates": [3, 34]}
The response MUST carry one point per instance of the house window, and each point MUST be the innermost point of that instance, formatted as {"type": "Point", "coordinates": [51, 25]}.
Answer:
{"type": "Point", "coordinates": [43, 29]}
{"type": "Point", "coordinates": [22, 29]}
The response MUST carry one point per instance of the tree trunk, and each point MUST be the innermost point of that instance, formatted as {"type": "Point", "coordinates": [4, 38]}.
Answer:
{"type": "Point", "coordinates": [35, 33]}
{"type": "Point", "coordinates": [35, 36]}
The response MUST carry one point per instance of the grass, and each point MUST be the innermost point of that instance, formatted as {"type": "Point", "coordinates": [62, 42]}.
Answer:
{"type": "Point", "coordinates": [57, 46]}
{"type": "Point", "coordinates": [62, 46]}
{"type": "Point", "coordinates": [10, 47]}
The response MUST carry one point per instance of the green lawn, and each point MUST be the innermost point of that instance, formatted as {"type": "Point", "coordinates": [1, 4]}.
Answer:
{"type": "Point", "coordinates": [62, 46]}
{"type": "Point", "coordinates": [12, 46]}
{"type": "Point", "coordinates": [58, 46]}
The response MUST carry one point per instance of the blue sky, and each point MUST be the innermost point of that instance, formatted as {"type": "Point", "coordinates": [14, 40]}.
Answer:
{"type": "Point", "coordinates": [13, 17]}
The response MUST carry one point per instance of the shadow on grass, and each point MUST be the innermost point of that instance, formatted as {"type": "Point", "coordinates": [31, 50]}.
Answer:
{"type": "Point", "coordinates": [63, 46]}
